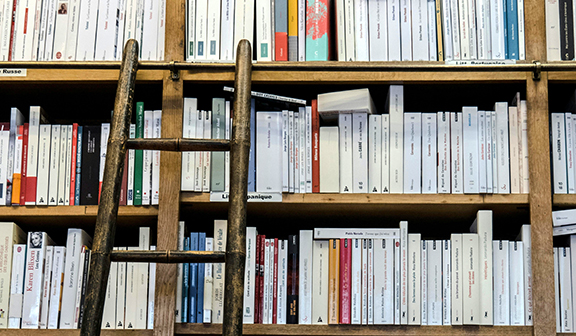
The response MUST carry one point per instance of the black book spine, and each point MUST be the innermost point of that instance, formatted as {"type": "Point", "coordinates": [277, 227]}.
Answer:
{"type": "Point", "coordinates": [84, 285]}
{"type": "Point", "coordinates": [292, 283]}
{"type": "Point", "coordinates": [566, 30]}
{"type": "Point", "coordinates": [90, 165]}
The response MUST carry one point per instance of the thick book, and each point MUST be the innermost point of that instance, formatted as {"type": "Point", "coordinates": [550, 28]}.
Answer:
{"type": "Point", "coordinates": [218, 132]}
{"type": "Point", "coordinates": [517, 284]}
{"type": "Point", "coordinates": [482, 225]}
{"type": "Point", "coordinates": [243, 23]}
{"type": "Point", "coordinates": [249, 276]}
{"type": "Point", "coordinates": [429, 153]}
{"type": "Point", "coordinates": [269, 153]}
{"type": "Point", "coordinates": [320, 280]}
{"type": "Point", "coordinates": [329, 160]}
{"type": "Point", "coordinates": [305, 277]}
{"type": "Point", "coordinates": [350, 101]}
{"type": "Point", "coordinates": [91, 165]}
{"type": "Point", "coordinates": [213, 27]}
{"type": "Point", "coordinates": [17, 286]}
{"type": "Point", "coordinates": [360, 153]}
{"type": "Point", "coordinates": [395, 106]}
{"type": "Point", "coordinates": [343, 233]}
{"type": "Point", "coordinates": [189, 132]}
{"type": "Point", "coordinates": [37, 117]}
{"type": "Point", "coordinates": [385, 188]}
{"type": "Point", "coordinates": [220, 231]}
{"type": "Point", "coordinates": [292, 283]}
{"type": "Point", "coordinates": [420, 24]}
{"type": "Point", "coordinates": [414, 276]}
{"type": "Point", "coordinates": [434, 282]}
{"type": "Point", "coordinates": [412, 153]}
{"type": "Point", "coordinates": [226, 30]}
{"type": "Point", "coordinates": [10, 236]}
{"type": "Point", "coordinates": [374, 154]}
{"type": "Point", "coordinates": [503, 143]}
{"type": "Point", "coordinates": [501, 282]}
{"type": "Point", "coordinates": [346, 153]}
{"type": "Point", "coordinates": [470, 149]}
{"type": "Point", "coordinates": [16, 120]}
{"type": "Point", "coordinates": [109, 313]}
{"type": "Point", "coordinates": [345, 280]}
{"type": "Point", "coordinates": [456, 279]}
{"type": "Point", "coordinates": [317, 30]}
{"type": "Point", "coordinates": [87, 26]}
{"type": "Point", "coordinates": [334, 281]}
{"type": "Point", "coordinates": [377, 30]}
{"type": "Point", "coordinates": [383, 281]}
{"type": "Point", "coordinates": [471, 288]}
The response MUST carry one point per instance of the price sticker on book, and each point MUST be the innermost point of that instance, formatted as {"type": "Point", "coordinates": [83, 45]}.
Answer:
{"type": "Point", "coordinates": [12, 72]}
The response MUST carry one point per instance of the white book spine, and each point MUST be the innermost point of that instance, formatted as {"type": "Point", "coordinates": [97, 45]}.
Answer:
{"type": "Point", "coordinates": [414, 276]}
{"type": "Point", "coordinates": [346, 154]}
{"type": "Point", "coordinates": [362, 38]}
{"type": "Point", "coordinates": [463, 15]}
{"type": "Point", "coordinates": [470, 153]}
{"type": "Point", "coordinates": [208, 284]}
{"type": "Point", "coordinates": [142, 274]}
{"type": "Point", "coordinates": [456, 273]}
{"type": "Point", "coordinates": [473, 39]}
{"type": "Point", "coordinates": [291, 149]}
{"type": "Point", "coordinates": [305, 265]}
{"type": "Point", "coordinates": [385, 154]}
{"type": "Point", "coordinates": [45, 301]}
{"type": "Point", "coordinates": [404, 272]}
{"type": "Point", "coordinates": [263, 31]}
{"type": "Point", "coordinates": [420, 43]}
{"type": "Point", "coordinates": [444, 163]}
{"type": "Point", "coordinates": [4, 144]}
{"type": "Point", "coordinates": [340, 30]}
{"type": "Point", "coordinates": [87, 27]}
{"type": "Point", "coordinates": [482, 153]}
{"type": "Point", "coordinates": [201, 29]}
{"type": "Point", "coordinates": [301, 30]}
{"type": "Point", "coordinates": [190, 30]}
{"type": "Point", "coordinates": [206, 155]}
{"type": "Point", "coordinates": [446, 282]}
{"type": "Point", "coordinates": [455, 25]}
{"type": "Point", "coordinates": [147, 159]}
{"type": "Point", "coordinates": [72, 29]}
{"type": "Point", "coordinates": [227, 154]}
{"type": "Point", "coordinates": [37, 243]}
{"type": "Point", "coordinates": [557, 291]}
{"type": "Point", "coordinates": [130, 308]}
{"type": "Point", "coordinates": [406, 29]}
{"type": "Point", "coordinates": [120, 43]}
{"type": "Point", "coordinates": [320, 282]}
{"type": "Point", "coordinates": [266, 319]}
{"type": "Point", "coordinates": [456, 148]}
{"type": "Point", "coordinates": [525, 236]}
{"type": "Point", "coordinates": [121, 293]}
{"type": "Point", "coordinates": [494, 154]}
{"type": "Point", "coordinates": [283, 280]}
{"type": "Point", "coordinates": [525, 183]}
{"type": "Point", "coordinates": [268, 147]}
{"type": "Point", "coordinates": [412, 153]}
{"type": "Point", "coordinates": [432, 33]}
{"type": "Point", "coordinates": [285, 152]}
{"type": "Point", "coordinates": [498, 39]}
{"type": "Point", "coordinates": [24, 31]}
{"type": "Point", "coordinates": [150, 30]}
{"type": "Point", "coordinates": [62, 164]}
{"type": "Point", "coordinates": [378, 24]}
{"type": "Point", "coordinates": [180, 273]}
{"type": "Point", "coordinates": [375, 153]}
{"type": "Point", "coordinates": [364, 286]}
{"type": "Point", "coordinates": [471, 297]}
{"type": "Point", "coordinates": [243, 23]}
{"type": "Point", "coordinates": [482, 36]}
{"type": "Point", "coordinates": [109, 313]}
{"type": "Point", "coordinates": [17, 286]}
{"type": "Point", "coordinates": [309, 149]}
{"type": "Point", "coordinates": [249, 275]}
{"type": "Point", "coordinates": [503, 149]}
{"type": "Point", "coordinates": [37, 27]}
{"type": "Point", "coordinates": [271, 288]}
{"type": "Point", "coordinates": [85, 254]}
{"type": "Point", "coordinates": [213, 32]}
{"type": "Point", "coordinates": [44, 18]}
{"type": "Point", "coordinates": [394, 36]}
{"type": "Point", "coordinates": [424, 282]}
{"type": "Point", "coordinates": [447, 32]}
{"type": "Point", "coordinates": [189, 131]}
{"type": "Point", "coordinates": [54, 165]}
{"type": "Point", "coordinates": [429, 153]}
{"type": "Point", "coordinates": [151, 293]}
{"type": "Point", "coordinates": [56, 286]}
{"type": "Point", "coordinates": [501, 283]}
{"type": "Point", "coordinates": [553, 30]}
{"type": "Point", "coordinates": [515, 150]}
{"type": "Point", "coordinates": [227, 31]}
{"type": "Point", "coordinates": [349, 26]}
{"type": "Point", "coordinates": [488, 154]}
{"type": "Point", "coordinates": [397, 275]}
{"type": "Point", "coordinates": [68, 167]}
{"type": "Point", "coordinates": [434, 282]}
{"type": "Point", "coordinates": [359, 152]}
{"type": "Point", "coordinates": [521, 30]}
{"type": "Point", "coordinates": [60, 32]}
{"type": "Point", "coordinates": [157, 131]}
{"type": "Point", "coordinates": [33, 141]}
{"type": "Point", "coordinates": [329, 160]}
{"type": "Point", "coordinates": [483, 227]}
{"type": "Point", "coordinates": [131, 160]}
{"type": "Point", "coordinates": [6, 29]}
{"type": "Point", "coordinates": [356, 288]}
{"type": "Point", "coordinates": [302, 149]}
{"type": "Point", "coordinates": [104, 134]}
{"type": "Point", "coordinates": [517, 286]}
{"type": "Point", "coordinates": [396, 109]}
{"type": "Point", "coordinates": [220, 230]}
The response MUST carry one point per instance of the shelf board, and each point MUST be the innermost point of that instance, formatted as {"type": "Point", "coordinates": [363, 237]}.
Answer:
{"type": "Point", "coordinates": [75, 75]}
{"type": "Point", "coordinates": [392, 199]}
{"type": "Point", "coordinates": [74, 332]}
{"type": "Point", "coordinates": [564, 200]}
{"type": "Point", "coordinates": [349, 330]}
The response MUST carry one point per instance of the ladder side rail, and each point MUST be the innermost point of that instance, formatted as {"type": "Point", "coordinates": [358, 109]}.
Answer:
{"type": "Point", "coordinates": [110, 195]}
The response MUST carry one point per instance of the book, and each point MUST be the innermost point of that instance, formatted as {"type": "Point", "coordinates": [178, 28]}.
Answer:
{"type": "Point", "coordinates": [11, 235]}
{"type": "Point", "coordinates": [268, 147]}
{"type": "Point", "coordinates": [208, 284]}
{"type": "Point", "coordinates": [456, 148]}
{"type": "Point", "coordinates": [525, 237]}
{"type": "Point", "coordinates": [470, 150]}
{"type": "Point", "coordinates": [471, 288]}
{"type": "Point", "coordinates": [395, 106]}
{"type": "Point", "coordinates": [350, 101]}
{"type": "Point", "coordinates": [360, 153]}
{"type": "Point", "coordinates": [109, 314]}
{"type": "Point", "coordinates": [46, 281]}
{"type": "Point", "coordinates": [377, 24]}
{"type": "Point", "coordinates": [412, 153]}
{"type": "Point", "coordinates": [385, 154]}
{"type": "Point", "coordinates": [305, 271]}
{"type": "Point", "coordinates": [501, 282]}
{"type": "Point", "coordinates": [334, 282]}
{"type": "Point", "coordinates": [345, 275]}
{"type": "Point", "coordinates": [502, 142]}
{"type": "Point", "coordinates": [383, 281]}
{"type": "Point", "coordinates": [414, 276]}
{"type": "Point", "coordinates": [292, 283]}
{"type": "Point", "coordinates": [147, 159]}
{"type": "Point", "coordinates": [54, 165]}
{"type": "Point", "coordinates": [138, 154]}
{"type": "Point", "coordinates": [227, 30]}
{"type": "Point", "coordinates": [282, 281]}
{"type": "Point", "coordinates": [64, 155]}
{"type": "Point", "coordinates": [90, 164]}
{"type": "Point", "coordinates": [346, 153]}
{"type": "Point", "coordinates": [193, 281]}
{"type": "Point", "coordinates": [249, 276]}
{"type": "Point", "coordinates": [329, 160]}
{"type": "Point", "coordinates": [482, 225]}
{"type": "Point", "coordinates": [220, 232]}
{"type": "Point", "coordinates": [17, 286]}
{"type": "Point", "coordinates": [403, 272]}
{"type": "Point", "coordinates": [320, 280]}
{"type": "Point", "coordinates": [88, 20]}
{"type": "Point", "coordinates": [517, 283]}
{"type": "Point", "coordinates": [218, 132]}
{"type": "Point", "coordinates": [121, 293]}
{"type": "Point", "coordinates": [424, 282]}
{"type": "Point", "coordinates": [56, 286]}
{"type": "Point", "coordinates": [429, 153]}
{"type": "Point", "coordinates": [456, 281]}
{"type": "Point", "coordinates": [156, 133]}
{"type": "Point", "coordinates": [446, 282]}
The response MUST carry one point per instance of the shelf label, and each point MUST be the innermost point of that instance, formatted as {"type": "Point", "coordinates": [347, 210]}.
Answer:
{"type": "Point", "coordinates": [12, 72]}
{"type": "Point", "coordinates": [481, 62]}
{"type": "Point", "coordinates": [252, 197]}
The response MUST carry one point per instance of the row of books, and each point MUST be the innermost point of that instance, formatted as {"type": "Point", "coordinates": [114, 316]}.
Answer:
{"type": "Point", "coordinates": [564, 281]}
{"type": "Point", "coordinates": [560, 21]}
{"type": "Point", "coordinates": [80, 30]}
{"type": "Point", "coordinates": [395, 152]}
{"type": "Point", "coordinates": [45, 285]}
{"type": "Point", "coordinates": [563, 145]}
{"type": "Point", "coordinates": [44, 164]}
{"type": "Point", "coordinates": [298, 30]}
{"type": "Point", "coordinates": [367, 276]}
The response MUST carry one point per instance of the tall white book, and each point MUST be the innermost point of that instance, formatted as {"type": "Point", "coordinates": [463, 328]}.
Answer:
{"type": "Point", "coordinates": [302, 30]}
{"type": "Point", "coordinates": [514, 149]}
{"type": "Point", "coordinates": [268, 147]}
{"type": "Point", "coordinates": [364, 286]}
{"type": "Point", "coordinates": [346, 152]}
{"type": "Point", "coordinates": [151, 293]}
{"type": "Point", "coordinates": [444, 162]}
{"type": "Point", "coordinates": [285, 151]}
{"type": "Point", "coordinates": [433, 31]}
{"type": "Point", "coordinates": [10, 236]}
{"type": "Point", "coordinates": [142, 273]}
{"type": "Point", "coordinates": [4, 145]}
{"type": "Point", "coordinates": [227, 30]}
{"type": "Point", "coordinates": [68, 166]}
{"type": "Point", "coordinates": [374, 153]}
{"type": "Point", "coordinates": [395, 105]}
{"type": "Point", "coordinates": [329, 160]}
{"type": "Point", "coordinates": [282, 307]}
{"type": "Point", "coordinates": [54, 165]}
{"type": "Point", "coordinates": [394, 36]}
{"type": "Point", "coordinates": [356, 288]}
{"type": "Point", "coordinates": [266, 318]}
{"type": "Point", "coordinates": [397, 276]}
{"type": "Point", "coordinates": [220, 230]}
{"type": "Point", "coordinates": [488, 152]}
{"type": "Point", "coordinates": [208, 284]}
{"type": "Point", "coordinates": [517, 284]}
{"type": "Point", "coordinates": [131, 308]}
{"type": "Point", "coordinates": [62, 165]}
{"type": "Point", "coordinates": [206, 156]}
{"type": "Point", "coordinates": [471, 288]}
{"type": "Point", "coordinates": [384, 281]}
{"type": "Point", "coordinates": [470, 153]}
{"type": "Point", "coordinates": [412, 153]}
{"type": "Point", "coordinates": [17, 286]}
{"type": "Point", "coordinates": [495, 155]}
{"type": "Point", "coordinates": [104, 134]}
{"type": "Point", "coordinates": [149, 46]}
{"type": "Point", "coordinates": [249, 275]}
{"type": "Point", "coordinates": [403, 272]}
{"type": "Point", "coordinates": [446, 282]}
{"type": "Point", "coordinates": [243, 23]}
{"type": "Point", "coordinates": [362, 38]}
{"type": "Point", "coordinates": [483, 227]}
{"type": "Point", "coordinates": [45, 300]}
{"type": "Point", "coordinates": [456, 273]}
{"type": "Point", "coordinates": [213, 31]}
{"type": "Point", "coordinates": [88, 20]}
{"type": "Point", "coordinates": [43, 164]}
{"type": "Point", "coordinates": [25, 17]}
{"type": "Point", "coordinates": [525, 183]}
{"type": "Point", "coordinates": [429, 153]}
{"type": "Point", "coordinates": [464, 22]}
{"type": "Point", "coordinates": [36, 118]}
{"type": "Point", "coordinates": [370, 276]}
{"type": "Point", "coordinates": [360, 153]}
{"type": "Point", "coordinates": [525, 237]}
{"type": "Point", "coordinates": [424, 281]}
{"type": "Point", "coordinates": [482, 162]}
{"type": "Point", "coordinates": [385, 154]}
{"type": "Point", "coordinates": [503, 147]}
{"type": "Point", "coordinates": [434, 282]}
{"type": "Point", "coordinates": [406, 29]}
{"type": "Point", "coordinates": [557, 291]}
{"type": "Point", "coordinates": [455, 24]}
{"type": "Point", "coordinates": [77, 238]}
{"type": "Point", "coordinates": [349, 27]}
{"type": "Point", "coordinates": [60, 32]}
{"type": "Point", "coordinates": [305, 277]}
{"type": "Point", "coordinates": [501, 282]}
{"type": "Point", "coordinates": [456, 149]}
{"type": "Point", "coordinates": [72, 29]}
{"type": "Point", "coordinates": [263, 31]}
{"type": "Point", "coordinates": [302, 148]}
{"type": "Point", "coordinates": [109, 314]}
{"type": "Point", "coordinates": [201, 29]}
{"type": "Point", "coordinates": [472, 29]}
{"type": "Point", "coordinates": [377, 28]}
{"type": "Point", "coordinates": [147, 159]}
{"type": "Point", "coordinates": [447, 31]}
{"type": "Point", "coordinates": [190, 30]}
{"type": "Point", "coordinates": [37, 243]}
{"type": "Point", "coordinates": [557, 130]}
{"type": "Point", "coordinates": [420, 43]}
{"type": "Point", "coordinates": [180, 272]}
{"type": "Point", "coordinates": [414, 275]}
{"type": "Point", "coordinates": [320, 282]}
{"type": "Point", "coordinates": [120, 293]}
{"type": "Point", "coordinates": [56, 286]}
{"type": "Point", "coordinates": [156, 133]}
{"type": "Point", "coordinates": [189, 131]}
{"type": "Point", "coordinates": [497, 27]}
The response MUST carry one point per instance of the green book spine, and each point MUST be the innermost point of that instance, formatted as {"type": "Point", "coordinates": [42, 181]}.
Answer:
{"type": "Point", "coordinates": [138, 157]}
{"type": "Point", "coordinates": [218, 132]}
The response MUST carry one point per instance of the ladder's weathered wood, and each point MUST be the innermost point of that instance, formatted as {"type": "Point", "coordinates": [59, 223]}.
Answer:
{"type": "Point", "coordinates": [168, 257]}
{"type": "Point", "coordinates": [180, 144]}
{"type": "Point", "coordinates": [110, 195]}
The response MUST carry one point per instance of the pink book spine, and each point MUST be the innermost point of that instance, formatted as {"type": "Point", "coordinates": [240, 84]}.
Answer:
{"type": "Point", "coordinates": [275, 284]}
{"type": "Point", "coordinates": [345, 279]}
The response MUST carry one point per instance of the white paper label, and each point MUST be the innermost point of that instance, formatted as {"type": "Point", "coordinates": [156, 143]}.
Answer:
{"type": "Point", "coordinates": [13, 72]}
{"type": "Point", "coordinates": [252, 197]}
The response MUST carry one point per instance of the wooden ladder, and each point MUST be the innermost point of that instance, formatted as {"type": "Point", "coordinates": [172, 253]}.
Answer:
{"type": "Point", "coordinates": [118, 143]}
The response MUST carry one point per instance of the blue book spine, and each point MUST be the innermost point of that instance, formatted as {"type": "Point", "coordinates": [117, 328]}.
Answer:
{"type": "Point", "coordinates": [512, 28]}
{"type": "Point", "coordinates": [201, 267]}
{"type": "Point", "coordinates": [252, 158]}
{"type": "Point", "coordinates": [504, 16]}
{"type": "Point", "coordinates": [78, 167]}
{"type": "Point", "coordinates": [185, 284]}
{"type": "Point", "coordinates": [193, 279]}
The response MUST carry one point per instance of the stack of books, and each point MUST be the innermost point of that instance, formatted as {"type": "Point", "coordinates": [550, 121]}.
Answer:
{"type": "Point", "coordinates": [45, 285]}
{"type": "Point", "coordinates": [395, 30]}
{"type": "Point", "coordinates": [80, 30]}
{"type": "Point", "coordinates": [44, 164]}
{"type": "Point", "coordinates": [368, 276]}
{"type": "Point", "coordinates": [469, 151]}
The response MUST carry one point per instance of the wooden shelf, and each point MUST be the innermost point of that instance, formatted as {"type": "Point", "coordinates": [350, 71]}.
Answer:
{"type": "Point", "coordinates": [75, 332]}
{"type": "Point", "coordinates": [564, 200]}
{"type": "Point", "coordinates": [67, 75]}
{"type": "Point", "coordinates": [349, 330]}
{"type": "Point", "coordinates": [393, 199]}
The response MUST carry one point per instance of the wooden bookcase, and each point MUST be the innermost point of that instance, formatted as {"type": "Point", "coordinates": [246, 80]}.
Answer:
{"type": "Point", "coordinates": [536, 206]}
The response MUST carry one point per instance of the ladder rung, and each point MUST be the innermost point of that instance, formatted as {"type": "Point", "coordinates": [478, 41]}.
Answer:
{"type": "Point", "coordinates": [180, 144]}
{"type": "Point", "coordinates": [168, 257]}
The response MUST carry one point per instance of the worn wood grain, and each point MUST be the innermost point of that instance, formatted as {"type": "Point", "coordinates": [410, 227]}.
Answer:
{"type": "Point", "coordinates": [540, 207]}
{"type": "Point", "coordinates": [72, 332]}
{"type": "Point", "coordinates": [85, 76]}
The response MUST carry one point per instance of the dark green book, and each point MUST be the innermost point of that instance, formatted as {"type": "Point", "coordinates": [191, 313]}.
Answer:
{"type": "Point", "coordinates": [218, 132]}
{"type": "Point", "coordinates": [138, 155]}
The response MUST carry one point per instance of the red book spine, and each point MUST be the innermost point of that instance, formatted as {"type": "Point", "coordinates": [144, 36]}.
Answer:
{"type": "Point", "coordinates": [281, 44]}
{"type": "Point", "coordinates": [12, 39]}
{"type": "Point", "coordinates": [315, 147]}
{"type": "Point", "coordinates": [124, 185]}
{"type": "Point", "coordinates": [73, 166]}
{"type": "Point", "coordinates": [257, 283]}
{"type": "Point", "coordinates": [275, 284]}
{"type": "Point", "coordinates": [261, 267]}
{"type": "Point", "coordinates": [23, 183]}
{"type": "Point", "coordinates": [345, 279]}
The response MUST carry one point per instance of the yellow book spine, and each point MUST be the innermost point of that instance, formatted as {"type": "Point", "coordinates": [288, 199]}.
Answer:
{"type": "Point", "coordinates": [439, 31]}
{"type": "Point", "coordinates": [334, 282]}
{"type": "Point", "coordinates": [292, 17]}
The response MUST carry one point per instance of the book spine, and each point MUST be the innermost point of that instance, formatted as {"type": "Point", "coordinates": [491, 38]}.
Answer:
{"type": "Point", "coordinates": [219, 271]}
{"type": "Point", "coordinates": [73, 161]}
{"type": "Point", "coordinates": [208, 284]}
{"type": "Point", "coordinates": [412, 153]}
{"type": "Point", "coordinates": [262, 252]}
{"type": "Point", "coordinates": [157, 132]}
{"type": "Point", "coordinates": [345, 280]}
{"type": "Point", "coordinates": [501, 283]}
{"type": "Point", "coordinates": [275, 282]}
{"type": "Point", "coordinates": [446, 31]}
{"type": "Point", "coordinates": [305, 276]}
{"type": "Point", "coordinates": [385, 188]}
{"type": "Point", "coordinates": [17, 286]}
{"type": "Point", "coordinates": [72, 30]}
{"type": "Point", "coordinates": [414, 275]}
{"type": "Point", "coordinates": [334, 282]}
{"type": "Point", "coordinates": [190, 31]}
{"type": "Point", "coordinates": [33, 142]}
{"type": "Point", "coordinates": [308, 156]}
{"type": "Point", "coordinates": [424, 282]}
{"type": "Point", "coordinates": [350, 27]}
{"type": "Point", "coordinates": [180, 273]}
{"type": "Point", "coordinates": [488, 153]}
{"type": "Point", "coordinates": [346, 155]}
{"type": "Point", "coordinates": [56, 286]}
{"type": "Point", "coordinates": [152, 292]}
{"type": "Point", "coordinates": [444, 162]}
{"type": "Point", "coordinates": [405, 29]}
{"type": "Point", "coordinates": [104, 133]}
{"type": "Point", "coordinates": [91, 164]}
{"type": "Point", "coordinates": [206, 157]}
{"type": "Point", "coordinates": [517, 286]}
{"type": "Point", "coordinates": [282, 279]}
{"type": "Point", "coordinates": [54, 165]}
{"type": "Point", "coordinates": [87, 28]}
{"type": "Point", "coordinates": [17, 176]}
{"type": "Point", "coordinates": [193, 280]}
{"type": "Point", "coordinates": [512, 30]}
{"type": "Point", "coordinates": [24, 182]}
{"type": "Point", "coordinates": [138, 155]}
{"type": "Point", "coordinates": [375, 154]}
{"type": "Point", "coordinates": [250, 277]}
{"type": "Point", "coordinates": [528, 287]}
{"type": "Point", "coordinates": [397, 288]}
{"type": "Point", "coordinates": [471, 299]}
{"type": "Point", "coordinates": [420, 42]}
{"type": "Point", "coordinates": [446, 282]}
{"type": "Point", "coordinates": [227, 31]}
{"type": "Point", "coordinates": [470, 149]}
{"type": "Point", "coordinates": [317, 30]}
{"type": "Point", "coordinates": [184, 312]}
{"type": "Point", "coordinates": [434, 282]}
{"type": "Point", "coordinates": [557, 291]}
{"type": "Point", "coordinates": [62, 165]}
{"type": "Point", "coordinates": [35, 262]}
{"type": "Point", "coordinates": [213, 30]}
{"type": "Point", "coordinates": [359, 152]}
{"type": "Point", "coordinates": [109, 314]}
{"type": "Point", "coordinates": [121, 293]}
{"type": "Point", "coordinates": [503, 148]}
{"type": "Point", "coordinates": [45, 300]}
{"type": "Point", "coordinates": [293, 248]}
{"type": "Point", "coordinates": [147, 159]}
{"type": "Point", "coordinates": [378, 24]}
{"type": "Point", "coordinates": [429, 153]}
{"type": "Point", "coordinates": [456, 284]}
{"type": "Point", "coordinates": [320, 280]}
{"type": "Point", "coordinates": [315, 147]}
{"type": "Point", "coordinates": [456, 124]}
{"type": "Point", "coordinates": [43, 164]}
{"type": "Point", "coordinates": [130, 193]}
{"type": "Point", "coordinates": [396, 109]}
{"type": "Point", "coordinates": [356, 282]}
{"type": "Point", "coordinates": [514, 149]}
{"type": "Point", "coordinates": [482, 153]}
{"type": "Point", "coordinates": [364, 266]}
{"type": "Point", "coordinates": [68, 166]}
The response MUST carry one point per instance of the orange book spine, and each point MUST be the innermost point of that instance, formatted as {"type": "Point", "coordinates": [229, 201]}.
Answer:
{"type": "Point", "coordinates": [334, 282]}
{"type": "Point", "coordinates": [17, 176]}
